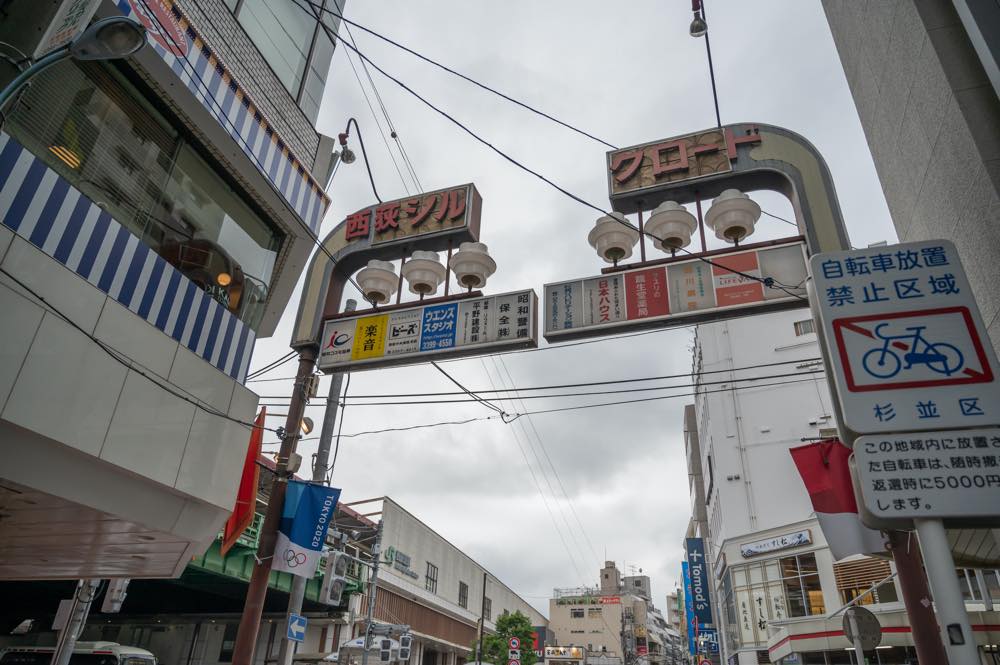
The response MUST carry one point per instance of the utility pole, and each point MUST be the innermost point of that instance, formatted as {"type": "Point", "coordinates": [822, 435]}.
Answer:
{"type": "Point", "coordinates": [916, 598]}
{"type": "Point", "coordinates": [83, 596]}
{"type": "Point", "coordinates": [373, 589]}
{"type": "Point", "coordinates": [287, 649]}
{"type": "Point", "coordinates": [482, 624]}
{"type": "Point", "coordinates": [246, 636]}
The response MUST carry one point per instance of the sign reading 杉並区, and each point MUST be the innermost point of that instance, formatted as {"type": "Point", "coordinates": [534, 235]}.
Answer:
{"type": "Point", "coordinates": [909, 349]}
{"type": "Point", "coordinates": [688, 291]}
{"type": "Point", "coordinates": [428, 332]}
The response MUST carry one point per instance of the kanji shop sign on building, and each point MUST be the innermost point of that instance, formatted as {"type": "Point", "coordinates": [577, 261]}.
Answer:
{"type": "Point", "coordinates": [947, 474]}
{"type": "Point", "coordinates": [419, 215]}
{"type": "Point", "coordinates": [679, 290]}
{"type": "Point", "coordinates": [652, 165]}
{"type": "Point", "coordinates": [909, 349]}
{"type": "Point", "coordinates": [428, 332]}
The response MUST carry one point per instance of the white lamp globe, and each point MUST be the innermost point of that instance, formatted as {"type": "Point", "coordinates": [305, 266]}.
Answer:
{"type": "Point", "coordinates": [732, 216]}
{"type": "Point", "coordinates": [378, 281]}
{"type": "Point", "coordinates": [612, 239]}
{"type": "Point", "coordinates": [424, 272]}
{"type": "Point", "coordinates": [472, 265]}
{"type": "Point", "coordinates": [672, 225]}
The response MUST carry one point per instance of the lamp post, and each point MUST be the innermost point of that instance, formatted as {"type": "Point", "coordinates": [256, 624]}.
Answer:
{"type": "Point", "coordinates": [108, 39]}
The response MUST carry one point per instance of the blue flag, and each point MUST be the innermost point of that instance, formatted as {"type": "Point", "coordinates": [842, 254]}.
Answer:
{"type": "Point", "coordinates": [689, 609]}
{"type": "Point", "coordinates": [309, 509]}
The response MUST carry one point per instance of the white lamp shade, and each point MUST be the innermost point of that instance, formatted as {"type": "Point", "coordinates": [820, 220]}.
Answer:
{"type": "Point", "coordinates": [672, 225]}
{"type": "Point", "coordinates": [424, 272]}
{"type": "Point", "coordinates": [732, 216]}
{"type": "Point", "coordinates": [378, 280]}
{"type": "Point", "coordinates": [612, 239]}
{"type": "Point", "coordinates": [472, 264]}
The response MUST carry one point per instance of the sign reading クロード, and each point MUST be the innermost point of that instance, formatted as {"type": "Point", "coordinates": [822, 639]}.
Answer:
{"type": "Point", "coordinates": [427, 332]}
{"type": "Point", "coordinates": [679, 290]}
{"type": "Point", "coordinates": [909, 349]}
{"type": "Point", "coordinates": [942, 474]}
{"type": "Point", "coordinates": [418, 215]}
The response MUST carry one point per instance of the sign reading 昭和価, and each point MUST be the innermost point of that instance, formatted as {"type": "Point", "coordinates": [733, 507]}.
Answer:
{"type": "Point", "coordinates": [687, 291]}
{"type": "Point", "coordinates": [306, 515]}
{"type": "Point", "coordinates": [429, 332]}
{"type": "Point", "coordinates": [909, 348]}
{"type": "Point", "coordinates": [698, 572]}
{"type": "Point", "coordinates": [781, 542]}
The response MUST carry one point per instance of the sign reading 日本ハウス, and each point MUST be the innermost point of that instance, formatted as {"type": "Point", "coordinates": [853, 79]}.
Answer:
{"type": "Point", "coordinates": [682, 290]}
{"type": "Point", "coordinates": [426, 332]}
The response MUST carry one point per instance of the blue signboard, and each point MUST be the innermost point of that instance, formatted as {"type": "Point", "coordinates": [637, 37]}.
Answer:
{"type": "Point", "coordinates": [688, 608]}
{"type": "Point", "coordinates": [711, 639]}
{"type": "Point", "coordinates": [438, 327]}
{"type": "Point", "coordinates": [305, 517]}
{"type": "Point", "coordinates": [698, 570]}
{"type": "Point", "coordinates": [297, 627]}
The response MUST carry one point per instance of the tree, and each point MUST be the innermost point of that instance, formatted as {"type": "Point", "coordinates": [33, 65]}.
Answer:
{"type": "Point", "coordinates": [495, 645]}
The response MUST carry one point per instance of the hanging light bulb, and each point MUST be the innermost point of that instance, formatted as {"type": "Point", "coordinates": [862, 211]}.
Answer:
{"type": "Point", "coordinates": [732, 216]}
{"type": "Point", "coordinates": [424, 272]}
{"type": "Point", "coordinates": [472, 265]}
{"type": "Point", "coordinates": [672, 225]}
{"type": "Point", "coordinates": [612, 239]}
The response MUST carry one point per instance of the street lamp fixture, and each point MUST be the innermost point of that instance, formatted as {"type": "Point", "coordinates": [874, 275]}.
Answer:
{"type": "Point", "coordinates": [699, 27]}
{"type": "Point", "coordinates": [732, 216]}
{"type": "Point", "coordinates": [306, 425]}
{"type": "Point", "coordinates": [671, 225]}
{"type": "Point", "coordinates": [472, 265]}
{"type": "Point", "coordinates": [108, 39]}
{"type": "Point", "coordinates": [612, 239]}
{"type": "Point", "coordinates": [424, 272]}
{"type": "Point", "coordinates": [378, 281]}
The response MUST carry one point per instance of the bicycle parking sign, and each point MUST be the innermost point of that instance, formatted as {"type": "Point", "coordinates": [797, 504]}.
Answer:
{"type": "Point", "coordinates": [908, 347]}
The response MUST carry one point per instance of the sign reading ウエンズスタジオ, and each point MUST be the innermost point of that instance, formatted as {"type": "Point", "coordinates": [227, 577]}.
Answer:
{"type": "Point", "coordinates": [427, 332]}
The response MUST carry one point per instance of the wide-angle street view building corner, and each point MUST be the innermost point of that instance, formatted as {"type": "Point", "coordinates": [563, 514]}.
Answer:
{"type": "Point", "coordinates": [720, 390]}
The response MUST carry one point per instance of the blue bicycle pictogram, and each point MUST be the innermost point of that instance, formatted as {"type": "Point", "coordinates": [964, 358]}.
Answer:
{"type": "Point", "coordinates": [885, 362]}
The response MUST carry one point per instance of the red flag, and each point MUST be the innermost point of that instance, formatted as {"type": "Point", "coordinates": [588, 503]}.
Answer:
{"type": "Point", "coordinates": [827, 477]}
{"type": "Point", "coordinates": [246, 496]}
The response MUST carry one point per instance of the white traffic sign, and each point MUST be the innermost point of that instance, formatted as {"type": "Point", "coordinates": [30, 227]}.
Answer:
{"type": "Point", "coordinates": [513, 654]}
{"type": "Point", "coordinates": [930, 475]}
{"type": "Point", "coordinates": [908, 347]}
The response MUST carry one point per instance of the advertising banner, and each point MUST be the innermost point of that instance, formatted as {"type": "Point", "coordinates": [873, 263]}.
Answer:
{"type": "Point", "coordinates": [698, 571]}
{"type": "Point", "coordinates": [309, 509]}
{"type": "Point", "coordinates": [688, 608]}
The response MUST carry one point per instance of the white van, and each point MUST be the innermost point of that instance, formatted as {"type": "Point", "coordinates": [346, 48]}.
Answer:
{"type": "Point", "coordinates": [85, 653]}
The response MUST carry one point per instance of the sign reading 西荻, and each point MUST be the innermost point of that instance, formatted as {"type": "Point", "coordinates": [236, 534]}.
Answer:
{"type": "Point", "coordinates": [909, 349]}
{"type": "Point", "coordinates": [781, 542]}
{"type": "Point", "coordinates": [418, 215]}
{"type": "Point", "coordinates": [698, 571]}
{"type": "Point", "coordinates": [650, 166]}
{"type": "Point", "coordinates": [941, 474]}
{"type": "Point", "coordinates": [683, 290]}
{"type": "Point", "coordinates": [427, 332]}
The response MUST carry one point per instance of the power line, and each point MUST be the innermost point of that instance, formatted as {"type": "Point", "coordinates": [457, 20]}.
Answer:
{"type": "Point", "coordinates": [475, 397]}
{"type": "Point", "coordinates": [271, 366]}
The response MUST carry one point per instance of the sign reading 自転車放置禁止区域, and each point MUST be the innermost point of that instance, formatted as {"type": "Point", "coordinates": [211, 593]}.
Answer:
{"type": "Point", "coordinates": [428, 332]}
{"type": "Point", "coordinates": [908, 346]}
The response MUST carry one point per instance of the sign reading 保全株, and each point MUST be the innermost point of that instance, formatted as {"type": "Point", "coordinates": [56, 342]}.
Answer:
{"type": "Point", "coordinates": [908, 346]}
{"type": "Point", "coordinates": [428, 332]}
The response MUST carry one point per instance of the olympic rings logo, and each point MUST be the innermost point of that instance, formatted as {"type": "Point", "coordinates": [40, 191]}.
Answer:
{"type": "Point", "coordinates": [294, 559]}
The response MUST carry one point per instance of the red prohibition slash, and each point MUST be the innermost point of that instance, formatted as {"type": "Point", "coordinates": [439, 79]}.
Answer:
{"type": "Point", "coordinates": [967, 375]}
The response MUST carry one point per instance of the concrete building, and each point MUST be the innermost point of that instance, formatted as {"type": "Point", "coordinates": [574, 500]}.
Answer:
{"type": "Point", "coordinates": [925, 80]}
{"type": "Point", "coordinates": [155, 215]}
{"type": "Point", "coordinates": [773, 578]}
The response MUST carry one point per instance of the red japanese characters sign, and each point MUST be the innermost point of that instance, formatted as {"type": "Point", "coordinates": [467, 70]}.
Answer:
{"type": "Point", "coordinates": [418, 215]}
{"type": "Point", "coordinates": [673, 160]}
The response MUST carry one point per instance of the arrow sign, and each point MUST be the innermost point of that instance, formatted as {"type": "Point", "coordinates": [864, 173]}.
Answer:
{"type": "Point", "coordinates": [297, 627]}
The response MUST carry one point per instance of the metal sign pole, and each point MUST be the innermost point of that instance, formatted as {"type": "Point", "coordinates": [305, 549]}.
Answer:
{"type": "Point", "coordinates": [859, 650]}
{"type": "Point", "coordinates": [956, 633]}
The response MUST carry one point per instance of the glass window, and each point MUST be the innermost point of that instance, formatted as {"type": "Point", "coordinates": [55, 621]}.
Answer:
{"type": "Point", "coordinates": [228, 643]}
{"type": "Point", "coordinates": [594, 612]}
{"type": "Point", "coordinates": [804, 327]}
{"type": "Point", "coordinates": [463, 594]}
{"type": "Point", "coordinates": [96, 130]}
{"type": "Point", "coordinates": [312, 91]}
{"type": "Point", "coordinates": [283, 33]}
{"type": "Point", "coordinates": [431, 579]}
{"type": "Point", "coordinates": [802, 587]}
{"type": "Point", "coordinates": [487, 608]}
{"type": "Point", "coordinates": [576, 613]}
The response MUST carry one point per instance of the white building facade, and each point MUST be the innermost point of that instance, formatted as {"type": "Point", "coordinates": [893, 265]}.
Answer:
{"type": "Point", "coordinates": [773, 577]}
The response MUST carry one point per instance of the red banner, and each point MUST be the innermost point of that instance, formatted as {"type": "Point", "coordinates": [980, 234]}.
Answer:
{"type": "Point", "coordinates": [246, 496]}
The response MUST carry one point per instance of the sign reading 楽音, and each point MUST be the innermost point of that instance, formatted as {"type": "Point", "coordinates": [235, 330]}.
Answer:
{"type": "Point", "coordinates": [428, 332]}
{"type": "Point", "coordinates": [309, 508]}
{"type": "Point", "coordinates": [698, 571]}
{"type": "Point", "coordinates": [909, 348]}
{"type": "Point", "coordinates": [781, 542]}
{"type": "Point", "coordinates": [418, 215]}
{"type": "Point", "coordinates": [688, 607]}
{"type": "Point", "coordinates": [940, 474]}
{"type": "Point", "coordinates": [679, 290]}
{"type": "Point", "coordinates": [639, 169]}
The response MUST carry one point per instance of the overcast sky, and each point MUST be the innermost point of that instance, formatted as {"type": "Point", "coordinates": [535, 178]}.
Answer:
{"type": "Point", "coordinates": [628, 73]}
